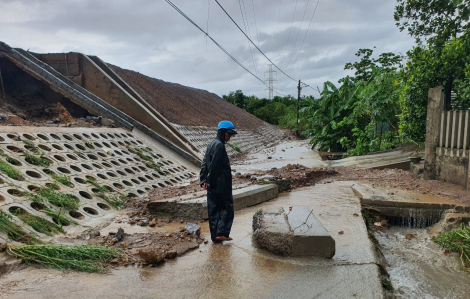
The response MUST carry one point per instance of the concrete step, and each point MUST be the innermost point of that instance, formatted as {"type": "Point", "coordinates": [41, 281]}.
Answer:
{"type": "Point", "coordinates": [196, 208]}
{"type": "Point", "coordinates": [294, 232]}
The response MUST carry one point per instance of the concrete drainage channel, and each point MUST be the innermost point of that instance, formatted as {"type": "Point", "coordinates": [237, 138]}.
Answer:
{"type": "Point", "coordinates": [99, 164]}
{"type": "Point", "coordinates": [402, 226]}
{"type": "Point", "coordinates": [407, 211]}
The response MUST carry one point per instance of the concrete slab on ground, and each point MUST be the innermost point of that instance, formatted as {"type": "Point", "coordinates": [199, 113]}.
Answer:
{"type": "Point", "coordinates": [390, 159]}
{"type": "Point", "coordinates": [236, 269]}
{"type": "Point", "coordinates": [196, 208]}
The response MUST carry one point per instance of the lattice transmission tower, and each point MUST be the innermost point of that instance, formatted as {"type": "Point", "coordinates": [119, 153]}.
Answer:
{"type": "Point", "coordinates": [270, 81]}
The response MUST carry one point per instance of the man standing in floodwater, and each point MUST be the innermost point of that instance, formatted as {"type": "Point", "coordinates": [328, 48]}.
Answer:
{"type": "Point", "coordinates": [216, 178]}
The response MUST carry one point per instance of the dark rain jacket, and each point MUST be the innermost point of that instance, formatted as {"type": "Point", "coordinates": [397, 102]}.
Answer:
{"type": "Point", "coordinates": [215, 169]}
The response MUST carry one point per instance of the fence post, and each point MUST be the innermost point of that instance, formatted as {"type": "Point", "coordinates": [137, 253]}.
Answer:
{"type": "Point", "coordinates": [435, 107]}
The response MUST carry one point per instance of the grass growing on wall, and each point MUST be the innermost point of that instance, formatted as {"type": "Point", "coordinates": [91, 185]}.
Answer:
{"type": "Point", "coordinates": [63, 179]}
{"type": "Point", "coordinates": [116, 201]}
{"type": "Point", "coordinates": [14, 231]}
{"type": "Point", "coordinates": [97, 185]}
{"type": "Point", "coordinates": [55, 197]}
{"type": "Point", "coordinates": [37, 160]}
{"type": "Point", "coordinates": [39, 224]}
{"type": "Point", "coordinates": [9, 170]}
{"type": "Point", "coordinates": [58, 218]}
{"type": "Point", "coordinates": [234, 147]}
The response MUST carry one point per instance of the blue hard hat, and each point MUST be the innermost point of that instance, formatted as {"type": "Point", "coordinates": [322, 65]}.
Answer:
{"type": "Point", "coordinates": [225, 124]}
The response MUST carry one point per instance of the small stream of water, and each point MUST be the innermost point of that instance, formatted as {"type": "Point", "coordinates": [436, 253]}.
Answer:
{"type": "Point", "coordinates": [415, 217]}
{"type": "Point", "coordinates": [419, 269]}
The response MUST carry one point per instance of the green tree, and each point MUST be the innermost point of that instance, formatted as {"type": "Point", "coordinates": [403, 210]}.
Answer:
{"type": "Point", "coordinates": [236, 97]}
{"type": "Point", "coordinates": [441, 29]}
{"type": "Point", "coordinates": [374, 114]}
{"type": "Point", "coordinates": [252, 103]}
{"type": "Point", "coordinates": [434, 20]}
{"type": "Point", "coordinates": [271, 113]}
{"type": "Point", "coordinates": [363, 68]}
{"type": "Point", "coordinates": [325, 115]}
{"type": "Point", "coordinates": [428, 67]}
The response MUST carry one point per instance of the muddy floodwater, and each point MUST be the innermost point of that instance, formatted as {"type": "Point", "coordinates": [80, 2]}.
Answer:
{"type": "Point", "coordinates": [419, 269]}
{"type": "Point", "coordinates": [236, 269]}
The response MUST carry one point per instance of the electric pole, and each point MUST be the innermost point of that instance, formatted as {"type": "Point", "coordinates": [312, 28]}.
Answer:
{"type": "Point", "coordinates": [270, 81]}
{"type": "Point", "coordinates": [299, 88]}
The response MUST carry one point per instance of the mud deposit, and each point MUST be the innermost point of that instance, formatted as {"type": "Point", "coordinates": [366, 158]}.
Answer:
{"type": "Point", "coordinates": [419, 268]}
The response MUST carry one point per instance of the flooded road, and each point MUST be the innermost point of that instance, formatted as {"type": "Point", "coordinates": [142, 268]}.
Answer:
{"type": "Point", "coordinates": [235, 269]}
{"type": "Point", "coordinates": [419, 269]}
{"type": "Point", "coordinates": [292, 152]}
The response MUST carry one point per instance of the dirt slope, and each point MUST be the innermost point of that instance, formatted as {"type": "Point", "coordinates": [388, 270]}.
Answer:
{"type": "Point", "coordinates": [187, 106]}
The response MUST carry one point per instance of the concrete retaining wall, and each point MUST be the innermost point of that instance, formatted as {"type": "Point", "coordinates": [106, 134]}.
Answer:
{"type": "Point", "coordinates": [452, 166]}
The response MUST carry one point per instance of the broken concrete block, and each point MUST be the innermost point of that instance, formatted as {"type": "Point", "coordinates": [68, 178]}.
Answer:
{"type": "Point", "coordinates": [292, 232]}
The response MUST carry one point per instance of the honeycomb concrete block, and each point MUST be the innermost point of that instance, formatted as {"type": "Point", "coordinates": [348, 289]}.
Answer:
{"type": "Point", "coordinates": [295, 232]}
{"type": "Point", "coordinates": [115, 158]}
{"type": "Point", "coordinates": [247, 140]}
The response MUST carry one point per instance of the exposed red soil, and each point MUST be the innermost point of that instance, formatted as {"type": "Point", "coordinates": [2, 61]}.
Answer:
{"type": "Point", "coordinates": [187, 106]}
{"type": "Point", "coordinates": [54, 116]}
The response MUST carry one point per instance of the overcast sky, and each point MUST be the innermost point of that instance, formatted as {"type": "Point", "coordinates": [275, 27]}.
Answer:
{"type": "Point", "coordinates": [150, 37]}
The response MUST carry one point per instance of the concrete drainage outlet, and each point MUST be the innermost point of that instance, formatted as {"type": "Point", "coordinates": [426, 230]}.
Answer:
{"type": "Point", "coordinates": [382, 209]}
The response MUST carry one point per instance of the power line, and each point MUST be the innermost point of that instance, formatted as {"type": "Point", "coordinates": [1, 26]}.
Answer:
{"type": "Point", "coordinates": [208, 13]}
{"type": "Point", "coordinates": [301, 45]}
{"type": "Point", "coordinates": [249, 30]}
{"type": "Point", "coordinates": [297, 37]}
{"type": "Point", "coordinates": [249, 45]}
{"type": "Point", "coordinates": [254, 16]}
{"type": "Point", "coordinates": [260, 49]}
{"type": "Point", "coordinates": [290, 29]}
{"type": "Point", "coordinates": [253, 42]}
{"type": "Point", "coordinates": [216, 43]}
{"type": "Point", "coordinates": [279, 17]}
